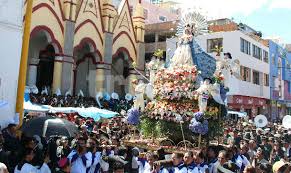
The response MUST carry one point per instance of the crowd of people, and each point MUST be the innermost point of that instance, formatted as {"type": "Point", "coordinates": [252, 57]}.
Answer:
{"type": "Point", "coordinates": [98, 148]}
{"type": "Point", "coordinates": [105, 102]}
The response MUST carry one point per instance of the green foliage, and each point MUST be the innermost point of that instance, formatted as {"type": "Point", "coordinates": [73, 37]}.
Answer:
{"type": "Point", "coordinates": [172, 130]}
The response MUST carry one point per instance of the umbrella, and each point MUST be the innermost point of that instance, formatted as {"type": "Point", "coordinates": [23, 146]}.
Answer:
{"type": "Point", "coordinates": [49, 126]}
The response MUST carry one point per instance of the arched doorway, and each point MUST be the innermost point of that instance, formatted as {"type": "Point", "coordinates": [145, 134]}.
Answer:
{"type": "Point", "coordinates": [85, 71]}
{"type": "Point", "coordinates": [45, 70]}
{"type": "Point", "coordinates": [120, 72]}
{"type": "Point", "coordinates": [41, 58]}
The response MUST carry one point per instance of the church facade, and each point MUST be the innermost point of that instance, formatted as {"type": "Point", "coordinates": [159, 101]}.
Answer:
{"type": "Point", "coordinates": [87, 45]}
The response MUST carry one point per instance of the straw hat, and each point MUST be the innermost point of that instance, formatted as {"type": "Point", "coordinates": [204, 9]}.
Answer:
{"type": "Point", "coordinates": [278, 165]}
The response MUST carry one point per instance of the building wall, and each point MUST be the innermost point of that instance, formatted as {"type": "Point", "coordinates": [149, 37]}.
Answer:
{"type": "Point", "coordinates": [88, 29]}
{"type": "Point", "coordinates": [242, 94]}
{"type": "Point", "coordinates": [280, 85]}
{"type": "Point", "coordinates": [11, 37]}
{"type": "Point", "coordinates": [153, 12]}
{"type": "Point", "coordinates": [231, 43]}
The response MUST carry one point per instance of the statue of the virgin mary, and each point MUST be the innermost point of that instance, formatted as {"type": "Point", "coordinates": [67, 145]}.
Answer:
{"type": "Point", "coordinates": [183, 54]}
{"type": "Point", "coordinates": [188, 51]}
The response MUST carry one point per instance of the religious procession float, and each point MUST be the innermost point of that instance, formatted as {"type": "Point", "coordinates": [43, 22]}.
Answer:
{"type": "Point", "coordinates": [185, 96]}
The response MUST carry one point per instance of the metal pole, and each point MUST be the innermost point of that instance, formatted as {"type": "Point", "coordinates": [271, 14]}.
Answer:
{"type": "Point", "coordinates": [23, 61]}
{"type": "Point", "coordinates": [199, 141]}
{"type": "Point", "coordinates": [183, 135]}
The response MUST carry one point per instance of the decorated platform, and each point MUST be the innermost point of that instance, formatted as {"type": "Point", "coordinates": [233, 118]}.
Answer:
{"type": "Point", "coordinates": [187, 94]}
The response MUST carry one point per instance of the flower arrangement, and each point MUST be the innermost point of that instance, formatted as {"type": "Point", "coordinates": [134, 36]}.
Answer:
{"type": "Point", "coordinates": [199, 124]}
{"type": "Point", "coordinates": [218, 78]}
{"type": "Point", "coordinates": [211, 112]}
{"type": "Point", "coordinates": [154, 64]}
{"type": "Point", "coordinates": [199, 127]}
{"type": "Point", "coordinates": [188, 73]}
{"type": "Point", "coordinates": [165, 110]}
{"type": "Point", "coordinates": [198, 116]}
{"type": "Point", "coordinates": [176, 84]}
{"type": "Point", "coordinates": [133, 116]}
{"type": "Point", "coordinates": [159, 53]}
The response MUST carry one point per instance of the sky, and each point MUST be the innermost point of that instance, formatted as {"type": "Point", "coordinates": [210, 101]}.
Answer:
{"type": "Point", "coordinates": [271, 17]}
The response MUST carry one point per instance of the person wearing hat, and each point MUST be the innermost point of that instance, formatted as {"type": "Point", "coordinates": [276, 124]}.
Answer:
{"type": "Point", "coordinates": [281, 167]}
{"type": "Point", "coordinates": [227, 55]}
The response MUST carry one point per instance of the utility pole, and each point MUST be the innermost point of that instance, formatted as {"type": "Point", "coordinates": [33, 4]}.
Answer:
{"type": "Point", "coordinates": [23, 61]}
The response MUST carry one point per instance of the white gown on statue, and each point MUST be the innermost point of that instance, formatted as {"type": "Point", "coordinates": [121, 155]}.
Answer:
{"type": "Point", "coordinates": [183, 54]}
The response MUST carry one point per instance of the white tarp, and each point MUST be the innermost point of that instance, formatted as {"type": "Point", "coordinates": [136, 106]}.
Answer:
{"type": "Point", "coordinates": [28, 106]}
{"type": "Point", "coordinates": [5, 119]}
{"type": "Point", "coordinates": [91, 112]}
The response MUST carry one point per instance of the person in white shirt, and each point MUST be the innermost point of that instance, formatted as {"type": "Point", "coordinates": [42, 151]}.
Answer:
{"type": "Point", "coordinates": [149, 165]}
{"type": "Point", "coordinates": [201, 166]}
{"type": "Point", "coordinates": [25, 165]}
{"type": "Point", "coordinates": [137, 163]}
{"type": "Point", "coordinates": [80, 159]}
{"type": "Point", "coordinates": [179, 166]}
{"type": "Point", "coordinates": [189, 161]}
{"type": "Point", "coordinates": [286, 149]}
{"type": "Point", "coordinates": [223, 159]}
{"type": "Point", "coordinates": [107, 152]}
{"type": "Point", "coordinates": [95, 166]}
{"type": "Point", "coordinates": [252, 150]}
{"type": "Point", "coordinates": [212, 158]}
